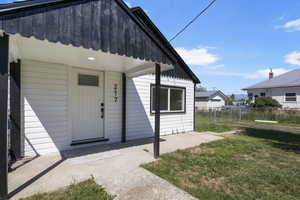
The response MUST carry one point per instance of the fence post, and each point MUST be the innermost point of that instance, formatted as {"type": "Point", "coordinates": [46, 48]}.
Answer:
{"type": "Point", "coordinates": [215, 115]}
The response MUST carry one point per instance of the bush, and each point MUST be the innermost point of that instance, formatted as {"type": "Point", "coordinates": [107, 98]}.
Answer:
{"type": "Point", "coordinates": [266, 102]}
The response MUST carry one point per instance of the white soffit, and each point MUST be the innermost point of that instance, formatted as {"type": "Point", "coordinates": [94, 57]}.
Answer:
{"type": "Point", "coordinates": [45, 51]}
{"type": "Point", "coordinates": [146, 68]}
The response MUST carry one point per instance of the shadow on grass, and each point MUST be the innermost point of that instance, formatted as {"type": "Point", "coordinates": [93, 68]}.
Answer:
{"type": "Point", "coordinates": [284, 140]}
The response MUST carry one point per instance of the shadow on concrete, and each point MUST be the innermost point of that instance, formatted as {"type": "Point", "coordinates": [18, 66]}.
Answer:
{"type": "Point", "coordinates": [46, 124]}
{"type": "Point", "coordinates": [17, 164]}
{"type": "Point", "coordinates": [77, 153]}
{"type": "Point", "coordinates": [107, 147]}
{"type": "Point", "coordinates": [35, 178]}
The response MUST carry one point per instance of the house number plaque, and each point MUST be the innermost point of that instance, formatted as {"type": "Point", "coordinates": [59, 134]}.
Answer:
{"type": "Point", "coordinates": [116, 93]}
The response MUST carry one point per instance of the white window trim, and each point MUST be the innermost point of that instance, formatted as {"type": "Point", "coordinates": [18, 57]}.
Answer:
{"type": "Point", "coordinates": [290, 101]}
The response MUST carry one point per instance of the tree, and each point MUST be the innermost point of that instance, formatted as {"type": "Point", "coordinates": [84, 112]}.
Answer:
{"type": "Point", "coordinates": [229, 100]}
{"type": "Point", "coordinates": [266, 102]}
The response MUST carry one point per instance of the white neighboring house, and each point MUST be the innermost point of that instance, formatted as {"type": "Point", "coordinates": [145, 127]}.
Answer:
{"type": "Point", "coordinates": [206, 100]}
{"type": "Point", "coordinates": [284, 88]}
{"type": "Point", "coordinates": [76, 88]}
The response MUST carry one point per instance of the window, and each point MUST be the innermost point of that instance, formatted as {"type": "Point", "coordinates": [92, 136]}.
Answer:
{"type": "Point", "coordinates": [172, 99]}
{"type": "Point", "coordinates": [176, 99]}
{"type": "Point", "coordinates": [250, 96]}
{"type": "Point", "coordinates": [215, 100]}
{"type": "Point", "coordinates": [88, 80]}
{"type": "Point", "coordinates": [290, 97]}
{"type": "Point", "coordinates": [262, 94]}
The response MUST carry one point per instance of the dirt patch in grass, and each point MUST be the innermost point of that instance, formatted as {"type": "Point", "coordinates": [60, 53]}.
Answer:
{"type": "Point", "coordinates": [215, 183]}
{"type": "Point", "coordinates": [197, 150]}
{"type": "Point", "coordinates": [256, 165]}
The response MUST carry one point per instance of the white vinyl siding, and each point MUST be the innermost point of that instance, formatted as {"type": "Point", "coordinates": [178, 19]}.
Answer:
{"type": "Point", "coordinates": [113, 108]}
{"type": "Point", "coordinates": [140, 122]}
{"type": "Point", "coordinates": [216, 103]}
{"type": "Point", "coordinates": [279, 94]}
{"type": "Point", "coordinates": [47, 118]}
{"type": "Point", "coordinates": [45, 107]}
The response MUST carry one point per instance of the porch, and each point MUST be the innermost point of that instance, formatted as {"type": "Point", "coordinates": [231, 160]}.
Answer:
{"type": "Point", "coordinates": [49, 48]}
{"type": "Point", "coordinates": [32, 96]}
{"type": "Point", "coordinates": [114, 166]}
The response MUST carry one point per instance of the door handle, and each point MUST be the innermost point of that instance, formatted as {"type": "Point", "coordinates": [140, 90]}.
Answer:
{"type": "Point", "coordinates": [102, 113]}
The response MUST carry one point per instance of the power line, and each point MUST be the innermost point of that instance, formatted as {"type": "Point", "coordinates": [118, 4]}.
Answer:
{"type": "Point", "coordinates": [193, 20]}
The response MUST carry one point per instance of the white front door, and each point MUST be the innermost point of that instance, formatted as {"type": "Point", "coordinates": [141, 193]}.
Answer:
{"type": "Point", "coordinates": [88, 100]}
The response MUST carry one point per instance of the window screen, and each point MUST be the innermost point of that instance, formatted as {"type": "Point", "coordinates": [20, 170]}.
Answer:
{"type": "Point", "coordinates": [88, 80]}
{"type": "Point", "coordinates": [291, 97]}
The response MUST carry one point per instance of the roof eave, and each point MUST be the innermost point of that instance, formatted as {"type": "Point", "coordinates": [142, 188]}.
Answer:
{"type": "Point", "coordinates": [257, 88]}
{"type": "Point", "coordinates": [189, 71]}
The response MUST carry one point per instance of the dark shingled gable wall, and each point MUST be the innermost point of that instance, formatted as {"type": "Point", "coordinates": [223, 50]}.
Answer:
{"type": "Point", "coordinates": [93, 24]}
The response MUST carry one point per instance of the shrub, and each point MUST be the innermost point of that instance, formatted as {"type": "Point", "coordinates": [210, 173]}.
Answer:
{"type": "Point", "coordinates": [266, 102]}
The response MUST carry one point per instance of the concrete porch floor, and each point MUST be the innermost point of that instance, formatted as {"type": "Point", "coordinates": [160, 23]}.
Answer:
{"type": "Point", "coordinates": [115, 167]}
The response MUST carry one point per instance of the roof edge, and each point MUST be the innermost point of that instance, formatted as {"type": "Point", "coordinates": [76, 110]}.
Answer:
{"type": "Point", "coordinates": [271, 87]}
{"type": "Point", "coordinates": [187, 69]}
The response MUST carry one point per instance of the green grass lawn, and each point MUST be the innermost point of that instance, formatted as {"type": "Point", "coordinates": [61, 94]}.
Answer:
{"type": "Point", "coordinates": [203, 123]}
{"type": "Point", "coordinates": [87, 190]}
{"type": "Point", "coordinates": [256, 165]}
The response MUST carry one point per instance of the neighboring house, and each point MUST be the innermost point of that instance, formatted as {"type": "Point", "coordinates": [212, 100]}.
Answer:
{"type": "Point", "coordinates": [284, 88]}
{"type": "Point", "coordinates": [206, 100]}
{"type": "Point", "coordinates": [84, 72]}
{"type": "Point", "coordinates": [240, 99]}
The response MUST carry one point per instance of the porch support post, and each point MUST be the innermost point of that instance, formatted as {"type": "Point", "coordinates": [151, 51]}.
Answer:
{"type": "Point", "coordinates": [15, 108]}
{"type": "Point", "coordinates": [157, 110]}
{"type": "Point", "coordinates": [194, 107]}
{"type": "Point", "coordinates": [4, 41]}
{"type": "Point", "coordinates": [124, 80]}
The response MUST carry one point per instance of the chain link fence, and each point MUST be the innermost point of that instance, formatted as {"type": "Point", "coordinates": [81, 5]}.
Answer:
{"type": "Point", "coordinates": [251, 115]}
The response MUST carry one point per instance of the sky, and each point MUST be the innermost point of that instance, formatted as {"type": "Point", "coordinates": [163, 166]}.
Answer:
{"type": "Point", "coordinates": [235, 43]}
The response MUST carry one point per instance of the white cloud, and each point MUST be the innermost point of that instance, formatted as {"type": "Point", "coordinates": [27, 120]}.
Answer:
{"type": "Point", "coordinates": [219, 66]}
{"type": "Point", "coordinates": [291, 26]}
{"type": "Point", "coordinates": [259, 74]}
{"type": "Point", "coordinates": [197, 56]}
{"type": "Point", "coordinates": [293, 58]}
{"type": "Point", "coordinates": [264, 73]}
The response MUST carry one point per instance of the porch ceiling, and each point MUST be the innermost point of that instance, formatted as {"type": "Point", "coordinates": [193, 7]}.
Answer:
{"type": "Point", "coordinates": [33, 49]}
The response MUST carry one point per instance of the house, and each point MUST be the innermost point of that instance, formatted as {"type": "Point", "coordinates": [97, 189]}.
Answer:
{"type": "Point", "coordinates": [284, 88]}
{"type": "Point", "coordinates": [205, 100]}
{"type": "Point", "coordinates": [240, 99]}
{"type": "Point", "coordinates": [85, 72]}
